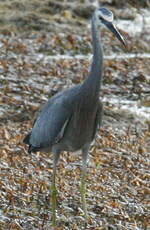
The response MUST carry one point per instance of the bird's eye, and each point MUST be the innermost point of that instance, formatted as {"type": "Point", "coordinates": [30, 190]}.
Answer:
{"type": "Point", "coordinates": [100, 18]}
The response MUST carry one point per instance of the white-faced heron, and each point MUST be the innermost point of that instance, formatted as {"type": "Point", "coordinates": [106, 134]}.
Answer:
{"type": "Point", "coordinates": [69, 120]}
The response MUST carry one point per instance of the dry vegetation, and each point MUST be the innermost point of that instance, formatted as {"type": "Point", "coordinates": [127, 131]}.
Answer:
{"type": "Point", "coordinates": [118, 179]}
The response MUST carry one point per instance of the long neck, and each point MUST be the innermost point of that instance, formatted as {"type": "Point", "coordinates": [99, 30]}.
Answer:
{"type": "Point", "coordinates": [93, 82]}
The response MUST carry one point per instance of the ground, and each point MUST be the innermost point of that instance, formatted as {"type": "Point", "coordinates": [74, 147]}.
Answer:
{"type": "Point", "coordinates": [118, 176]}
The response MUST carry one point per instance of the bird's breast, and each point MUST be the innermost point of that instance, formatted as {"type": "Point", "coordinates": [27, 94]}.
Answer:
{"type": "Point", "coordinates": [80, 130]}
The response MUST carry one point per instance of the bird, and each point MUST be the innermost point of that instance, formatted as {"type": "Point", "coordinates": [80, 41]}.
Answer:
{"type": "Point", "coordinates": [70, 118]}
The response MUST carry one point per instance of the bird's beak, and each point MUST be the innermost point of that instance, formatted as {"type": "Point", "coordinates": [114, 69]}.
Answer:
{"type": "Point", "coordinates": [114, 30]}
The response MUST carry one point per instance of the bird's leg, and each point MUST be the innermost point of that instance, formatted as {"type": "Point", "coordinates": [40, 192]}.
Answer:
{"type": "Point", "coordinates": [83, 191]}
{"type": "Point", "coordinates": [54, 190]}
{"type": "Point", "coordinates": [83, 177]}
{"type": "Point", "coordinates": [53, 197]}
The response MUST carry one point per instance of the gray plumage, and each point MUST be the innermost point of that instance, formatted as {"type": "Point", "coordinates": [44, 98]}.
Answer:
{"type": "Point", "coordinates": [78, 107]}
{"type": "Point", "coordinates": [70, 118]}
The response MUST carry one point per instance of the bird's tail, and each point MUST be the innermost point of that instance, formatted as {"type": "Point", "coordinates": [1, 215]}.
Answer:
{"type": "Point", "coordinates": [26, 140]}
{"type": "Point", "coordinates": [31, 148]}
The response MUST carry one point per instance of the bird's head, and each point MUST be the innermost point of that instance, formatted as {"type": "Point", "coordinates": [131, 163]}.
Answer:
{"type": "Point", "coordinates": [105, 17]}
